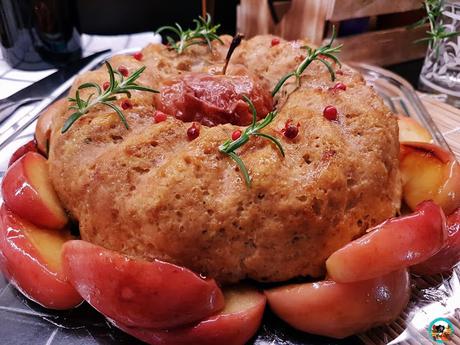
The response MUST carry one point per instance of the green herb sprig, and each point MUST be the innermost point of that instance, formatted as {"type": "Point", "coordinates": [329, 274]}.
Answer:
{"type": "Point", "coordinates": [230, 146]}
{"type": "Point", "coordinates": [319, 54]}
{"type": "Point", "coordinates": [437, 32]}
{"type": "Point", "coordinates": [117, 85]}
{"type": "Point", "coordinates": [203, 33]}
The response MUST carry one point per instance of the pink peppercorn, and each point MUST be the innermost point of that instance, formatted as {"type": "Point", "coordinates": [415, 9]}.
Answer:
{"type": "Point", "coordinates": [126, 104]}
{"type": "Point", "coordinates": [159, 116]}
{"type": "Point", "coordinates": [236, 134]}
{"type": "Point", "coordinates": [330, 113]}
{"type": "Point", "coordinates": [290, 130]}
{"type": "Point", "coordinates": [340, 86]}
{"type": "Point", "coordinates": [138, 56]}
{"type": "Point", "coordinates": [123, 70]}
{"type": "Point", "coordinates": [193, 131]}
{"type": "Point", "coordinates": [275, 41]}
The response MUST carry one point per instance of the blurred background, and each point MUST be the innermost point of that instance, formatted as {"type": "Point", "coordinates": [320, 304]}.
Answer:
{"type": "Point", "coordinates": [373, 31]}
{"type": "Point", "coordinates": [121, 16]}
{"type": "Point", "coordinates": [40, 34]}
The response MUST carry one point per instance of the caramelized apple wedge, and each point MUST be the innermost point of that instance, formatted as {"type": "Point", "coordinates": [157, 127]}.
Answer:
{"type": "Point", "coordinates": [30, 146]}
{"type": "Point", "coordinates": [339, 310]}
{"type": "Point", "coordinates": [449, 255]}
{"type": "Point", "coordinates": [28, 192]}
{"type": "Point", "coordinates": [31, 259]}
{"type": "Point", "coordinates": [411, 130]}
{"type": "Point", "coordinates": [234, 325]}
{"type": "Point", "coordinates": [430, 172]}
{"type": "Point", "coordinates": [139, 293]}
{"type": "Point", "coordinates": [43, 128]}
{"type": "Point", "coordinates": [394, 244]}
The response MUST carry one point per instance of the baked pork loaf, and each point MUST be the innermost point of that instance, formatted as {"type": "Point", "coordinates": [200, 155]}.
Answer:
{"type": "Point", "coordinates": [153, 193]}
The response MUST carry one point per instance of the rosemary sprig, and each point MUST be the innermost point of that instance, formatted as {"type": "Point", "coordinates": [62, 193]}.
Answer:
{"type": "Point", "coordinates": [203, 33]}
{"type": "Point", "coordinates": [230, 146]}
{"type": "Point", "coordinates": [117, 85]}
{"type": "Point", "coordinates": [437, 32]}
{"type": "Point", "coordinates": [326, 51]}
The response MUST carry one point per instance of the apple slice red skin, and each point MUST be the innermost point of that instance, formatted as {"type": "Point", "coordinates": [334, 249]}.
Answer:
{"type": "Point", "coordinates": [30, 146]}
{"type": "Point", "coordinates": [449, 256]}
{"type": "Point", "coordinates": [139, 293]}
{"type": "Point", "coordinates": [394, 244]}
{"type": "Point", "coordinates": [23, 266]}
{"type": "Point", "coordinates": [339, 310]}
{"type": "Point", "coordinates": [224, 329]}
{"type": "Point", "coordinates": [24, 199]}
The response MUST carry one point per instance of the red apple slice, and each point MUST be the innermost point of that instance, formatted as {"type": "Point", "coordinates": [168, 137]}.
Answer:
{"type": "Point", "coordinates": [235, 325]}
{"type": "Point", "coordinates": [43, 128]}
{"type": "Point", "coordinates": [430, 172]}
{"type": "Point", "coordinates": [411, 130]}
{"type": "Point", "coordinates": [139, 293]}
{"type": "Point", "coordinates": [449, 255]}
{"type": "Point", "coordinates": [28, 192]}
{"type": "Point", "coordinates": [341, 309]}
{"type": "Point", "coordinates": [396, 243]}
{"type": "Point", "coordinates": [30, 258]}
{"type": "Point", "coordinates": [31, 146]}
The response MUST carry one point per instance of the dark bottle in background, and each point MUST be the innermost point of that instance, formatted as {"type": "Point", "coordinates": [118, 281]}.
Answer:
{"type": "Point", "coordinates": [39, 34]}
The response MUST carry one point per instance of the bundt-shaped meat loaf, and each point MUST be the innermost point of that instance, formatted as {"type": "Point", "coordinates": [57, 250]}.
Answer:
{"type": "Point", "coordinates": [153, 193]}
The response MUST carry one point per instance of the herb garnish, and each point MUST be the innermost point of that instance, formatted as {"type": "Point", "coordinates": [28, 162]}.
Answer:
{"type": "Point", "coordinates": [437, 32]}
{"type": "Point", "coordinates": [203, 33]}
{"type": "Point", "coordinates": [327, 51]}
{"type": "Point", "coordinates": [117, 85]}
{"type": "Point", "coordinates": [230, 146]}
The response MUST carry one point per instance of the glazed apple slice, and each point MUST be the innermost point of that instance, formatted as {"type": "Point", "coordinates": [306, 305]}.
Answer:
{"type": "Point", "coordinates": [31, 146]}
{"type": "Point", "coordinates": [339, 310]}
{"type": "Point", "coordinates": [234, 325]}
{"type": "Point", "coordinates": [43, 128]}
{"type": "Point", "coordinates": [31, 259]}
{"type": "Point", "coordinates": [394, 244]}
{"type": "Point", "coordinates": [411, 130]}
{"type": "Point", "coordinates": [28, 192]}
{"type": "Point", "coordinates": [430, 172]}
{"type": "Point", "coordinates": [139, 293]}
{"type": "Point", "coordinates": [449, 255]}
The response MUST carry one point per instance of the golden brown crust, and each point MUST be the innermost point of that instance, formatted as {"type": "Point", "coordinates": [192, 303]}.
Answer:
{"type": "Point", "coordinates": [150, 193]}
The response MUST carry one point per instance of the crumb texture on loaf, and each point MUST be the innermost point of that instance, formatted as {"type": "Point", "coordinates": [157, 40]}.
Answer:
{"type": "Point", "coordinates": [150, 192]}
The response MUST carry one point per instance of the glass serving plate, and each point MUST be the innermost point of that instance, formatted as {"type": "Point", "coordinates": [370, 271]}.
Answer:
{"type": "Point", "coordinates": [24, 322]}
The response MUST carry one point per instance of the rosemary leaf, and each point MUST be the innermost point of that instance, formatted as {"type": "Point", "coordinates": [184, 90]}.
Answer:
{"type": "Point", "coordinates": [242, 167]}
{"type": "Point", "coordinates": [252, 108]}
{"type": "Point", "coordinates": [88, 85]}
{"type": "Point", "coordinates": [273, 140]}
{"type": "Point", "coordinates": [313, 54]}
{"type": "Point", "coordinates": [119, 113]}
{"type": "Point", "coordinates": [70, 120]}
{"type": "Point", "coordinates": [437, 32]}
{"type": "Point", "coordinates": [281, 82]}
{"type": "Point", "coordinates": [203, 33]}
{"type": "Point", "coordinates": [329, 68]}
